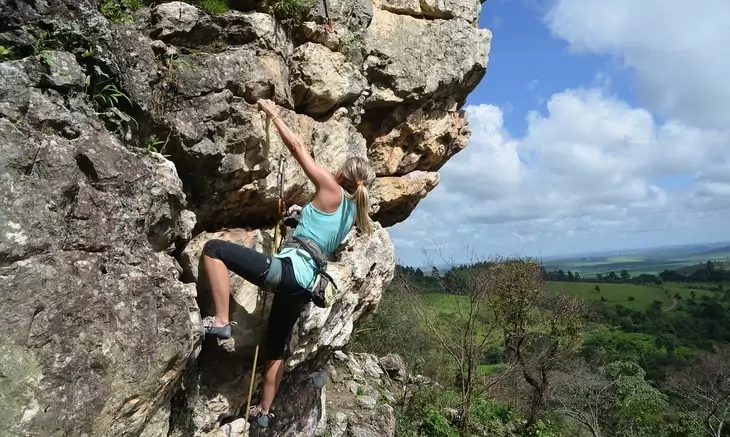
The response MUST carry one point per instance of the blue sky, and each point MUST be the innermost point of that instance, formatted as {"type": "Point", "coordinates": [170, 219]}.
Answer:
{"type": "Point", "coordinates": [598, 126]}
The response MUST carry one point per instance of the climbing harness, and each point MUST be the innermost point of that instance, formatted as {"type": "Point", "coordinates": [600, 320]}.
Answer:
{"type": "Point", "coordinates": [274, 275]}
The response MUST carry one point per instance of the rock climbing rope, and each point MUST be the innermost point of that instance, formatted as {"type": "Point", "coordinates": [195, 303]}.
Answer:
{"type": "Point", "coordinates": [275, 246]}
{"type": "Point", "coordinates": [329, 26]}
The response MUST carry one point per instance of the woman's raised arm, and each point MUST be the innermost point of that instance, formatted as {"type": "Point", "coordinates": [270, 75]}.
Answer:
{"type": "Point", "coordinates": [322, 179]}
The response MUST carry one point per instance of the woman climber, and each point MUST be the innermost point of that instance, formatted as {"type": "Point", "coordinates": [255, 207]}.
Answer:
{"type": "Point", "coordinates": [339, 202]}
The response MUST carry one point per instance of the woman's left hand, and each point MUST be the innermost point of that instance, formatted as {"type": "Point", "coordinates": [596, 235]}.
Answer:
{"type": "Point", "coordinates": [269, 107]}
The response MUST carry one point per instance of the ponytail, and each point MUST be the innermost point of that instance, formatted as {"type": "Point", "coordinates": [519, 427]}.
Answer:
{"type": "Point", "coordinates": [362, 205]}
{"type": "Point", "coordinates": [356, 176]}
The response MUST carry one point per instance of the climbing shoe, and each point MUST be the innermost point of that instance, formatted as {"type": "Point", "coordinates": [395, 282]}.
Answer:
{"type": "Point", "coordinates": [223, 332]}
{"type": "Point", "coordinates": [256, 417]}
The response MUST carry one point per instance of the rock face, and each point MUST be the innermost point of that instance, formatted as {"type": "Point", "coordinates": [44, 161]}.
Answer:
{"type": "Point", "coordinates": [362, 269]}
{"type": "Point", "coordinates": [129, 138]}
{"type": "Point", "coordinates": [360, 395]}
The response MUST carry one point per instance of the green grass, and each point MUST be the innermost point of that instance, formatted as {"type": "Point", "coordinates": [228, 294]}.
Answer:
{"type": "Point", "coordinates": [685, 290]}
{"type": "Point", "coordinates": [444, 304]}
{"type": "Point", "coordinates": [613, 293]}
{"type": "Point", "coordinates": [215, 7]}
{"type": "Point", "coordinates": [642, 295]}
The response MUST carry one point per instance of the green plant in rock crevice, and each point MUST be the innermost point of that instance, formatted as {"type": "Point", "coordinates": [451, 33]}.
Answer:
{"type": "Point", "coordinates": [158, 146]}
{"type": "Point", "coordinates": [351, 45]}
{"type": "Point", "coordinates": [120, 11]}
{"type": "Point", "coordinates": [289, 10]}
{"type": "Point", "coordinates": [215, 7]}
{"type": "Point", "coordinates": [5, 53]}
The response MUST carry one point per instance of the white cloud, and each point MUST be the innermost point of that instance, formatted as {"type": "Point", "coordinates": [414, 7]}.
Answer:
{"type": "Point", "coordinates": [592, 171]}
{"type": "Point", "coordinates": [588, 168]}
{"type": "Point", "coordinates": [679, 50]}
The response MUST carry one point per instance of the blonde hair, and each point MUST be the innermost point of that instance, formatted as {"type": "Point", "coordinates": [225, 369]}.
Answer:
{"type": "Point", "coordinates": [356, 178]}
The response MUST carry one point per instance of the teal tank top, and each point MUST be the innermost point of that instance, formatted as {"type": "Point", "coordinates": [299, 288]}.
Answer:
{"type": "Point", "coordinates": [327, 229]}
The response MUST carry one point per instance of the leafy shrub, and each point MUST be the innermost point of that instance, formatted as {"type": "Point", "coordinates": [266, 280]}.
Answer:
{"type": "Point", "coordinates": [119, 11]}
{"type": "Point", "coordinates": [395, 327]}
{"type": "Point", "coordinates": [290, 10]}
{"type": "Point", "coordinates": [435, 424]}
{"type": "Point", "coordinates": [5, 53]}
{"type": "Point", "coordinates": [215, 7]}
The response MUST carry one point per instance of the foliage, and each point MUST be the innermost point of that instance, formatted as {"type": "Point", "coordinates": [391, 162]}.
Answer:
{"type": "Point", "coordinates": [426, 414]}
{"type": "Point", "coordinates": [289, 10]}
{"type": "Point", "coordinates": [5, 53]}
{"type": "Point", "coordinates": [467, 334]}
{"type": "Point", "coordinates": [119, 11]}
{"type": "Point", "coordinates": [538, 341]}
{"type": "Point", "coordinates": [215, 7]}
{"type": "Point", "coordinates": [351, 45]}
{"type": "Point", "coordinates": [396, 327]}
{"type": "Point", "coordinates": [637, 404]}
{"type": "Point", "coordinates": [628, 352]}
{"type": "Point", "coordinates": [158, 146]}
{"type": "Point", "coordinates": [708, 271]}
{"type": "Point", "coordinates": [704, 387]}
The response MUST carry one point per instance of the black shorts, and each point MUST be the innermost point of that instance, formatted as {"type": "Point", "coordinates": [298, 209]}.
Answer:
{"type": "Point", "coordinates": [290, 298]}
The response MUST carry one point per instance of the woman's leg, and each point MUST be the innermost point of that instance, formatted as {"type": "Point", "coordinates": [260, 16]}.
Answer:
{"type": "Point", "coordinates": [218, 258]}
{"type": "Point", "coordinates": [289, 301]}
{"type": "Point", "coordinates": [273, 372]}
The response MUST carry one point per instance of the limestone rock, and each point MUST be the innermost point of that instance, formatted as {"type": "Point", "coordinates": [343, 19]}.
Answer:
{"type": "Point", "coordinates": [375, 423]}
{"type": "Point", "coordinates": [418, 140]}
{"type": "Point", "coordinates": [467, 10]}
{"type": "Point", "coordinates": [395, 195]}
{"type": "Point", "coordinates": [355, 14]}
{"type": "Point", "coordinates": [407, 7]}
{"type": "Point", "coordinates": [338, 425]}
{"type": "Point", "coordinates": [245, 71]}
{"type": "Point", "coordinates": [370, 365]}
{"type": "Point", "coordinates": [395, 367]}
{"type": "Point", "coordinates": [414, 65]}
{"type": "Point", "coordinates": [82, 284]}
{"type": "Point", "coordinates": [367, 402]}
{"type": "Point", "coordinates": [323, 79]}
{"type": "Point", "coordinates": [232, 171]}
{"type": "Point", "coordinates": [361, 269]}
{"type": "Point", "coordinates": [63, 71]}
{"type": "Point", "coordinates": [177, 21]}
{"type": "Point", "coordinates": [101, 334]}
{"type": "Point", "coordinates": [254, 27]}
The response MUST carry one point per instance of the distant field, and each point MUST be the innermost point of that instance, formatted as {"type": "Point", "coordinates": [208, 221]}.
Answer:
{"type": "Point", "coordinates": [619, 294]}
{"type": "Point", "coordinates": [445, 305]}
{"type": "Point", "coordinates": [634, 264]}
{"type": "Point", "coordinates": [642, 295]}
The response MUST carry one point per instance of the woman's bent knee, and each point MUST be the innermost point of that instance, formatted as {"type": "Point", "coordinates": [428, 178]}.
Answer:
{"type": "Point", "coordinates": [212, 248]}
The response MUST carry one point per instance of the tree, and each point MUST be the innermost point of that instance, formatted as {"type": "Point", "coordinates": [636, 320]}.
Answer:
{"type": "Point", "coordinates": [704, 388]}
{"type": "Point", "coordinates": [539, 330]}
{"type": "Point", "coordinates": [625, 276]}
{"type": "Point", "coordinates": [465, 335]}
{"type": "Point", "coordinates": [419, 273]}
{"type": "Point", "coordinates": [615, 398]}
{"type": "Point", "coordinates": [571, 278]}
{"type": "Point", "coordinates": [435, 272]}
{"type": "Point", "coordinates": [597, 288]}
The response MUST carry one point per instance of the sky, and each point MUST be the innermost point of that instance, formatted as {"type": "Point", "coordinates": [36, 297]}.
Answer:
{"type": "Point", "coordinates": [599, 126]}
